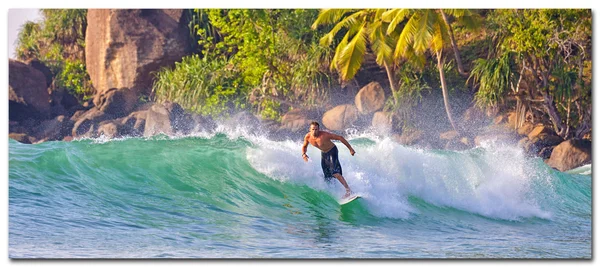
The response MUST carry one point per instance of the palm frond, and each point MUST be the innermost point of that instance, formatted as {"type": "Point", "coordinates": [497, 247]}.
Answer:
{"type": "Point", "coordinates": [352, 55]}
{"type": "Point", "coordinates": [394, 17]}
{"type": "Point", "coordinates": [348, 22]}
{"type": "Point", "coordinates": [423, 30]}
{"type": "Point", "coordinates": [440, 35]}
{"type": "Point", "coordinates": [338, 52]}
{"type": "Point", "coordinates": [329, 16]}
{"type": "Point", "coordinates": [405, 40]}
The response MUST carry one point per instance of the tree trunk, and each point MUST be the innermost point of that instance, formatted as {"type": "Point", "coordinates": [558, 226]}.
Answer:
{"type": "Point", "coordinates": [559, 127]}
{"type": "Point", "coordinates": [390, 75]}
{"type": "Point", "coordinates": [459, 63]}
{"type": "Point", "coordinates": [440, 66]}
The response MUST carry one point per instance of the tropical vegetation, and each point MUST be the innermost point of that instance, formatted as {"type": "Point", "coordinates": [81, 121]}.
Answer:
{"type": "Point", "coordinates": [58, 41]}
{"type": "Point", "coordinates": [535, 62]}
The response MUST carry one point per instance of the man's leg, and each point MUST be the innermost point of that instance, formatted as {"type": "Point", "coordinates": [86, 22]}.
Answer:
{"type": "Point", "coordinates": [343, 181]}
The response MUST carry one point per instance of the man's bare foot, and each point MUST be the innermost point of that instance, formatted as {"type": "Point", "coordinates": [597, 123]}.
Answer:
{"type": "Point", "coordinates": [348, 193]}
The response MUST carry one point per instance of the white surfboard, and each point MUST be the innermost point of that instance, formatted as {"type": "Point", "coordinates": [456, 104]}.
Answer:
{"type": "Point", "coordinates": [349, 199]}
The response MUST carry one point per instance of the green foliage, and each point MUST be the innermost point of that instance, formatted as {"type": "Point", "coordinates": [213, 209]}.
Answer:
{"type": "Point", "coordinates": [554, 45]}
{"type": "Point", "coordinates": [198, 85]}
{"type": "Point", "coordinates": [28, 46]}
{"type": "Point", "coordinates": [58, 41]}
{"type": "Point", "coordinates": [74, 77]}
{"type": "Point", "coordinates": [269, 57]}
{"type": "Point", "coordinates": [494, 77]}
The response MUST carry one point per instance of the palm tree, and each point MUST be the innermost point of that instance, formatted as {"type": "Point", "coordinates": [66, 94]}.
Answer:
{"type": "Point", "coordinates": [426, 30]}
{"type": "Point", "coordinates": [362, 27]}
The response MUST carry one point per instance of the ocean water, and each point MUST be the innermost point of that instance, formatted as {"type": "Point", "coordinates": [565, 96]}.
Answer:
{"type": "Point", "coordinates": [230, 194]}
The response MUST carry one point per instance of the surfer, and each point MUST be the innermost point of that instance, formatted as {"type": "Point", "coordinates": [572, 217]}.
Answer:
{"type": "Point", "coordinates": [329, 153]}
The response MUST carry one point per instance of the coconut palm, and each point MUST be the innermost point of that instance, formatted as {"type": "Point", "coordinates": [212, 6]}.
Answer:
{"type": "Point", "coordinates": [362, 27]}
{"type": "Point", "coordinates": [427, 30]}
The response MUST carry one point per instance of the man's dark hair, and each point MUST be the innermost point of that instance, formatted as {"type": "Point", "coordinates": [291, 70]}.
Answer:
{"type": "Point", "coordinates": [315, 124]}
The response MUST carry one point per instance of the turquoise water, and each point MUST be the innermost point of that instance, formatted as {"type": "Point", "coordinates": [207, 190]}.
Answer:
{"type": "Point", "coordinates": [237, 195]}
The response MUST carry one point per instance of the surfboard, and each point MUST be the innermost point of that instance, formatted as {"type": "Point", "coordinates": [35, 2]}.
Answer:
{"type": "Point", "coordinates": [349, 199]}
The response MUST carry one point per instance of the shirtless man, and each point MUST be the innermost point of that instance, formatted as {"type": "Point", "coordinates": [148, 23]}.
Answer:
{"type": "Point", "coordinates": [329, 153]}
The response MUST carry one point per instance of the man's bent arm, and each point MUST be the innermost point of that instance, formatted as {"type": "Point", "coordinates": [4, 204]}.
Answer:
{"type": "Point", "coordinates": [304, 146]}
{"type": "Point", "coordinates": [343, 140]}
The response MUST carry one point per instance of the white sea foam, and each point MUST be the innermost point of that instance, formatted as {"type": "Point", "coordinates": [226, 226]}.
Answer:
{"type": "Point", "coordinates": [493, 181]}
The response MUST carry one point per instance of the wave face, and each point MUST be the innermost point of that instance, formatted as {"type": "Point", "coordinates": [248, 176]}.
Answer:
{"type": "Point", "coordinates": [231, 194]}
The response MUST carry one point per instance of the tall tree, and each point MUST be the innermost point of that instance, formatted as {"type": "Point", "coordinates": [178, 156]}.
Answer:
{"type": "Point", "coordinates": [552, 49]}
{"type": "Point", "coordinates": [361, 28]}
{"type": "Point", "coordinates": [424, 30]}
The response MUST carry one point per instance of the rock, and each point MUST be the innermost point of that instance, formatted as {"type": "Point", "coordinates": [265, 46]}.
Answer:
{"type": "Point", "coordinates": [181, 122]}
{"type": "Point", "coordinates": [124, 46]}
{"type": "Point", "coordinates": [546, 152]}
{"type": "Point", "coordinates": [296, 120]}
{"type": "Point", "coordinates": [54, 129]}
{"type": "Point", "coordinates": [382, 122]}
{"type": "Point", "coordinates": [16, 127]}
{"type": "Point", "coordinates": [134, 124]}
{"type": "Point", "coordinates": [539, 129]}
{"type": "Point", "coordinates": [526, 128]}
{"type": "Point", "coordinates": [500, 119]}
{"type": "Point", "coordinates": [571, 154]}
{"type": "Point", "coordinates": [449, 135]}
{"type": "Point", "coordinates": [115, 101]}
{"type": "Point", "coordinates": [340, 117]}
{"type": "Point", "coordinates": [512, 119]}
{"type": "Point", "coordinates": [109, 129]}
{"type": "Point", "coordinates": [158, 121]}
{"type": "Point", "coordinates": [370, 98]}
{"type": "Point", "coordinates": [87, 123]}
{"type": "Point", "coordinates": [20, 137]}
{"type": "Point", "coordinates": [40, 66]}
{"type": "Point", "coordinates": [538, 143]}
{"type": "Point", "coordinates": [27, 92]}
{"type": "Point", "coordinates": [410, 137]}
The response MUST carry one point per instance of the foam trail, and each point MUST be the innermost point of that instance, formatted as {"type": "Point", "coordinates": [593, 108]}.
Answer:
{"type": "Point", "coordinates": [491, 181]}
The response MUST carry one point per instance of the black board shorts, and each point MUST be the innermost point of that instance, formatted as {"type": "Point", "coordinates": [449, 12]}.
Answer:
{"type": "Point", "coordinates": [330, 163]}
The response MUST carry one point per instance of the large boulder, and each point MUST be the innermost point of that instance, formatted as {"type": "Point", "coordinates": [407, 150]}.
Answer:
{"type": "Point", "coordinates": [340, 117]}
{"type": "Point", "coordinates": [134, 123]}
{"type": "Point", "coordinates": [165, 118]}
{"type": "Point", "coordinates": [571, 154]}
{"type": "Point", "coordinates": [158, 121]}
{"type": "Point", "coordinates": [27, 92]}
{"type": "Point", "coordinates": [124, 46]}
{"type": "Point", "coordinates": [539, 130]}
{"type": "Point", "coordinates": [526, 128]}
{"type": "Point", "coordinates": [86, 124]}
{"type": "Point", "coordinates": [535, 145]}
{"type": "Point", "coordinates": [115, 101]}
{"type": "Point", "coordinates": [370, 98]}
{"type": "Point", "coordinates": [296, 120]}
{"type": "Point", "coordinates": [410, 137]}
{"type": "Point", "coordinates": [54, 129]}
{"type": "Point", "coordinates": [22, 138]}
{"type": "Point", "coordinates": [38, 65]}
{"type": "Point", "coordinates": [110, 129]}
{"type": "Point", "coordinates": [382, 122]}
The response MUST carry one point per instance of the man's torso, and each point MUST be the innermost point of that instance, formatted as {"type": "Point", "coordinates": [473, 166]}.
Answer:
{"type": "Point", "coordinates": [322, 142]}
